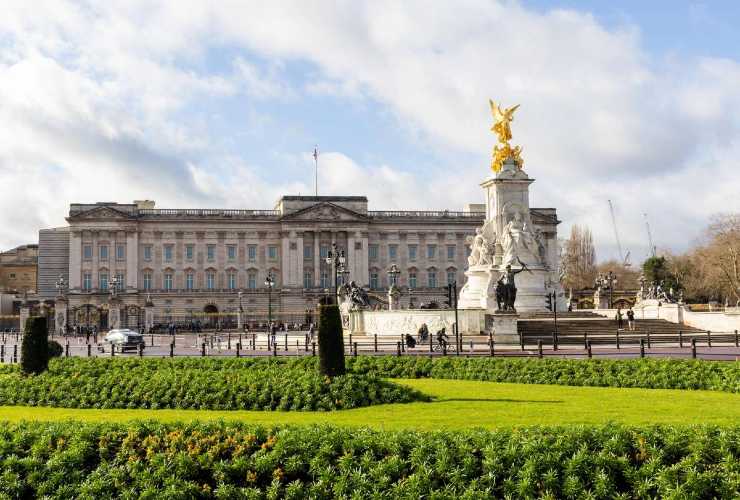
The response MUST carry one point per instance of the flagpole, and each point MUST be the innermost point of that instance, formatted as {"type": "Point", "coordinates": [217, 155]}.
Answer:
{"type": "Point", "coordinates": [316, 168]}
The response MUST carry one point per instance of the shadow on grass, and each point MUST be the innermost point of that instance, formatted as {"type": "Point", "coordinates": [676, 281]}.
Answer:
{"type": "Point", "coordinates": [499, 400]}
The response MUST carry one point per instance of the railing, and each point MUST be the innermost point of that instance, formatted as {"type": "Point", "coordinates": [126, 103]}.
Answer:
{"type": "Point", "coordinates": [206, 212]}
{"type": "Point", "coordinates": [425, 213]}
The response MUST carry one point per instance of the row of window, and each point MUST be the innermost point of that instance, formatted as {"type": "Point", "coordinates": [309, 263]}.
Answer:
{"type": "Point", "coordinates": [413, 281]}
{"type": "Point", "coordinates": [168, 251]}
{"type": "Point", "coordinates": [373, 252]}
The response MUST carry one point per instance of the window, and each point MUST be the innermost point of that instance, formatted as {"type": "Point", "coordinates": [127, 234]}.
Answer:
{"type": "Point", "coordinates": [324, 279]}
{"type": "Point", "coordinates": [147, 281]}
{"type": "Point", "coordinates": [103, 281]}
{"type": "Point", "coordinates": [252, 250]}
{"type": "Point", "coordinates": [412, 252]}
{"type": "Point", "coordinates": [87, 252]}
{"type": "Point", "coordinates": [431, 251]}
{"type": "Point", "coordinates": [272, 252]}
{"type": "Point", "coordinates": [120, 252]}
{"type": "Point", "coordinates": [168, 281]}
{"type": "Point", "coordinates": [211, 252]}
{"type": "Point", "coordinates": [307, 279]}
{"type": "Point", "coordinates": [147, 252]}
{"type": "Point", "coordinates": [231, 279]}
{"type": "Point", "coordinates": [451, 277]}
{"type": "Point", "coordinates": [87, 281]}
{"type": "Point", "coordinates": [323, 251]}
{"type": "Point", "coordinates": [392, 252]}
{"type": "Point", "coordinates": [412, 279]}
{"type": "Point", "coordinates": [372, 252]}
{"type": "Point", "coordinates": [103, 249]}
{"type": "Point", "coordinates": [307, 252]}
{"type": "Point", "coordinates": [168, 253]}
{"type": "Point", "coordinates": [120, 278]}
{"type": "Point", "coordinates": [190, 281]}
{"type": "Point", "coordinates": [210, 280]}
{"type": "Point", "coordinates": [374, 280]}
{"type": "Point", "coordinates": [450, 252]}
{"type": "Point", "coordinates": [432, 278]}
{"type": "Point", "coordinates": [189, 252]}
{"type": "Point", "coordinates": [231, 252]}
{"type": "Point", "coordinates": [252, 280]}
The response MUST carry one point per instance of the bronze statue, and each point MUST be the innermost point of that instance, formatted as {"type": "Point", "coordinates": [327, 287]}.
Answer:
{"type": "Point", "coordinates": [506, 288]}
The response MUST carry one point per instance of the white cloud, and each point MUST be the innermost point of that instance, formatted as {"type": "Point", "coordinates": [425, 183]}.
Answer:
{"type": "Point", "coordinates": [97, 92]}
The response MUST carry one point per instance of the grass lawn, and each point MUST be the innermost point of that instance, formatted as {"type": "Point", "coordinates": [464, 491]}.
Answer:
{"type": "Point", "coordinates": [463, 404]}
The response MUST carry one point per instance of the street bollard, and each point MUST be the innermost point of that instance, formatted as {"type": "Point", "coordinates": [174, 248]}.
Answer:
{"type": "Point", "coordinates": [736, 340]}
{"type": "Point", "coordinates": [228, 341]}
{"type": "Point", "coordinates": [539, 348]}
{"type": "Point", "coordinates": [642, 348]}
{"type": "Point", "coordinates": [521, 341]}
{"type": "Point", "coordinates": [238, 349]}
{"type": "Point", "coordinates": [585, 340]}
{"type": "Point", "coordinates": [66, 350]}
{"type": "Point", "coordinates": [305, 342]}
{"type": "Point", "coordinates": [240, 339]}
{"type": "Point", "coordinates": [554, 341]}
{"type": "Point", "coordinates": [89, 350]}
{"type": "Point", "coordinates": [354, 349]}
{"type": "Point", "coordinates": [693, 348]}
{"type": "Point", "coordinates": [648, 340]}
{"type": "Point", "coordinates": [375, 341]}
{"type": "Point", "coordinates": [313, 348]}
{"type": "Point", "coordinates": [274, 348]}
{"type": "Point", "coordinates": [15, 353]}
{"type": "Point", "coordinates": [431, 347]}
{"type": "Point", "coordinates": [490, 346]}
{"type": "Point", "coordinates": [350, 339]}
{"type": "Point", "coordinates": [709, 338]}
{"type": "Point", "coordinates": [286, 341]}
{"type": "Point", "coordinates": [398, 348]}
{"type": "Point", "coordinates": [588, 348]}
{"type": "Point", "coordinates": [151, 340]}
{"type": "Point", "coordinates": [203, 349]}
{"type": "Point", "coordinates": [617, 339]}
{"type": "Point", "coordinates": [112, 350]}
{"type": "Point", "coordinates": [141, 350]}
{"type": "Point", "coordinates": [680, 338]}
{"type": "Point", "coordinates": [172, 350]}
{"type": "Point", "coordinates": [2, 353]}
{"type": "Point", "coordinates": [403, 344]}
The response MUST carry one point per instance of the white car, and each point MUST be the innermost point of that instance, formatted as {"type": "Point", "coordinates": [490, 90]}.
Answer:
{"type": "Point", "coordinates": [125, 339]}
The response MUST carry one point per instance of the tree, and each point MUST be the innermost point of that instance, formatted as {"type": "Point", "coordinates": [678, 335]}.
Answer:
{"type": "Point", "coordinates": [35, 347]}
{"type": "Point", "coordinates": [627, 278]}
{"type": "Point", "coordinates": [331, 341]}
{"type": "Point", "coordinates": [720, 258]}
{"type": "Point", "coordinates": [579, 259]}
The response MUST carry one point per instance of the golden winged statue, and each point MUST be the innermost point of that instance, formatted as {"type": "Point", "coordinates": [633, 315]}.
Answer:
{"type": "Point", "coordinates": [501, 127]}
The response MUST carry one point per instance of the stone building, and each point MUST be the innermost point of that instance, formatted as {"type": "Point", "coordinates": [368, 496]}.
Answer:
{"type": "Point", "coordinates": [18, 269]}
{"type": "Point", "coordinates": [193, 263]}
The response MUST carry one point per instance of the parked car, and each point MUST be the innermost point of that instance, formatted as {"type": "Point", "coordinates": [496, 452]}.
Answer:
{"type": "Point", "coordinates": [125, 339]}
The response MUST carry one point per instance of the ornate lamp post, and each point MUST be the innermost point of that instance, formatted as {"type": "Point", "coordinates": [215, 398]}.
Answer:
{"type": "Point", "coordinates": [394, 294]}
{"type": "Point", "coordinates": [607, 281]}
{"type": "Point", "coordinates": [269, 283]}
{"type": "Point", "coordinates": [393, 273]}
{"type": "Point", "coordinates": [335, 258]}
{"type": "Point", "coordinates": [62, 312]}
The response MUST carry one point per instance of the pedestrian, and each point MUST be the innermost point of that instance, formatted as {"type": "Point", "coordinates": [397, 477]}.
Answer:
{"type": "Point", "coordinates": [619, 318]}
{"type": "Point", "coordinates": [631, 319]}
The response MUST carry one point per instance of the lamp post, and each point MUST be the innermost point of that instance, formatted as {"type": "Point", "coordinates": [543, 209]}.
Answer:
{"type": "Point", "coordinates": [607, 281]}
{"type": "Point", "coordinates": [61, 285]}
{"type": "Point", "coordinates": [269, 283]}
{"type": "Point", "coordinates": [394, 294]}
{"type": "Point", "coordinates": [335, 258]}
{"type": "Point", "coordinates": [393, 273]}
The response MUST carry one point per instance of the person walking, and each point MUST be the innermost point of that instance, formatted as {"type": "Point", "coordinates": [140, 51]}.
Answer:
{"type": "Point", "coordinates": [620, 322]}
{"type": "Point", "coordinates": [631, 319]}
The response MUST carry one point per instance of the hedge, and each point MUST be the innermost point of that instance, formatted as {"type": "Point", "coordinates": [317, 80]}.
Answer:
{"type": "Point", "coordinates": [194, 383]}
{"type": "Point", "coordinates": [643, 373]}
{"type": "Point", "coordinates": [231, 460]}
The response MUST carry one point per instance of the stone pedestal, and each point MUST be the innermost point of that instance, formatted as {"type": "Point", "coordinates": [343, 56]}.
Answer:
{"type": "Point", "coordinates": [394, 298]}
{"type": "Point", "coordinates": [61, 311]}
{"type": "Point", "coordinates": [25, 314]}
{"type": "Point", "coordinates": [503, 325]}
{"type": "Point", "coordinates": [240, 320]}
{"type": "Point", "coordinates": [148, 317]}
{"type": "Point", "coordinates": [114, 314]}
{"type": "Point", "coordinates": [479, 291]}
{"type": "Point", "coordinates": [530, 290]}
{"type": "Point", "coordinates": [601, 299]}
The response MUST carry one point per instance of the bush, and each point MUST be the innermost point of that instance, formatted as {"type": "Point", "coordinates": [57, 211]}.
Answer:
{"type": "Point", "coordinates": [331, 341]}
{"type": "Point", "coordinates": [197, 383]}
{"type": "Point", "coordinates": [35, 348]}
{"type": "Point", "coordinates": [231, 460]}
{"type": "Point", "coordinates": [644, 373]}
{"type": "Point", "coordinates": [55, 349]}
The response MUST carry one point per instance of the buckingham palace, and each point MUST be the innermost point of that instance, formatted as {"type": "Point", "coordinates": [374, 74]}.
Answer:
{"type": "Point", "coordinates": [190, 262]}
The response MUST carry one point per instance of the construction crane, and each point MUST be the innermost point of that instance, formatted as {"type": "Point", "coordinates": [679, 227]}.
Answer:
{"type": "Point", "coordinates": [625, 258]}
{"type": "Point", "coordinates": [650, 236]}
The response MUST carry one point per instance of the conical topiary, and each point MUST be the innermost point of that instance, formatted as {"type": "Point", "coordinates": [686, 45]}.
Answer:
{"type": "Point", "coordinates": [35, 346]}
{"type": "Point", "coordinates": [331, 342]}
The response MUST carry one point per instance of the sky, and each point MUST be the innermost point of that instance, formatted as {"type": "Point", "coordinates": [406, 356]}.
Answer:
{"type": "Point", "coordinates": [219, 105]}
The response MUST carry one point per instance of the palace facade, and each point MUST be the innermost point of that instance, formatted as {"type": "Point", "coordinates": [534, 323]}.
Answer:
{"type": "Point", "coordinates": [194, 261]}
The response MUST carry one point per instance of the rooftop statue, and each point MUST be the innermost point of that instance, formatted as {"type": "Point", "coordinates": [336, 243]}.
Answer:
{"type": "Point", "coordinates": [502, 128]}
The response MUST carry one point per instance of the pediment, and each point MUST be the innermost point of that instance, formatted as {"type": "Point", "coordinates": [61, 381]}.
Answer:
{"type": "Point", "coordinates": [324, 212]}
{"type": "Point", "coordinates": [98, 213]}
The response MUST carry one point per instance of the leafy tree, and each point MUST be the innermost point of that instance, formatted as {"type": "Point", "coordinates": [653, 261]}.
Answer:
{"type": "Point", "coordinates": [35, 347]}
{"type": "Point", "coordinates": [331, 341]}
{"type": "Point", "coordinates": [657, 269]}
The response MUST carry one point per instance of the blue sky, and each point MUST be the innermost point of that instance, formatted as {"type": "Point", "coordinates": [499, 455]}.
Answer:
{"type": "Point", "coordinates": [201, 104]}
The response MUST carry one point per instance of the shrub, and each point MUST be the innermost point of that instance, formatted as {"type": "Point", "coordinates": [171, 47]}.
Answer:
{"type": "Point", "coordinates": [331, 342]}
{"type": "Point", "coordinates": [55, 349]}
{"type": "Point", "coordinates": [35, 347]}
{"type": "Point", "coordinates": [232, 460]}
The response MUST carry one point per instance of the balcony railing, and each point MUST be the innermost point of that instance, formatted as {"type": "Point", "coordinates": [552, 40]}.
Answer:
{"type": "Point", "coordinates": [425, 214]}
{"type": "Point", "coordinates": [206, 212]}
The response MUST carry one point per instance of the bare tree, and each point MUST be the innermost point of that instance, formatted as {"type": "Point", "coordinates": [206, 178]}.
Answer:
{"type": "Point", "coordinates": [723, 253]}
{"type": "Point", "coordinates": [579, 259]}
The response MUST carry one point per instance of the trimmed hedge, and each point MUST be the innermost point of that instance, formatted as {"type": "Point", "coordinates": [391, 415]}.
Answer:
{"type": "Point", "coordinates": [644, 373]}
{"type": "Point", "coordinates": [331, 341]}
{"type": "Point", "coordinates": [195, 383]}
{"type": "Point", "coordinates": [231, 460]}
{"type": "Point", "coordinates": [35, 346]}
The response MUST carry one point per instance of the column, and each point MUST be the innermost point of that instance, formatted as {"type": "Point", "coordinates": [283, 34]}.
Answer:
{"type": "Point", "coordinates": [75, 259]}
{"type": "Point", "coordinates": [285, 239]}
{"type": "Point", "coordinates": [132, 260]}
{"type": "Point", "coordinates": [299, 260]}
{"type": "Point", "coordinates": [316, 259]}
{"type": "Point", "coordinates": [364, 277]}
{"type": "Point", "coordinates": [351, 256]}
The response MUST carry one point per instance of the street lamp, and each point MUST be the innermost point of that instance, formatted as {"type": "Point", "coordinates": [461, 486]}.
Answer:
{"type": "Point", "coordinates": [61, 286]}
{"type": "Point", "coordinates": [393, 273]}
{"type": "Point", "coordinates": [607, 281]}
{"type": "Point", "coordinates": [269, 283]}
{"type": "Point", "coordinates": [335, 257]}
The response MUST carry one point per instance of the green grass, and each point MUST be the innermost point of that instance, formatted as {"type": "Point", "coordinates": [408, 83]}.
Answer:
{"type": "Point", "coordinates": [463, 404]}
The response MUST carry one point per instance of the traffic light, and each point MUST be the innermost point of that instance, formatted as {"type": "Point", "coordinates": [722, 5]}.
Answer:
{"type": "Point", "coordinates": [450, 296]}
{"type": "Point", "coordinates": [548, 301]}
